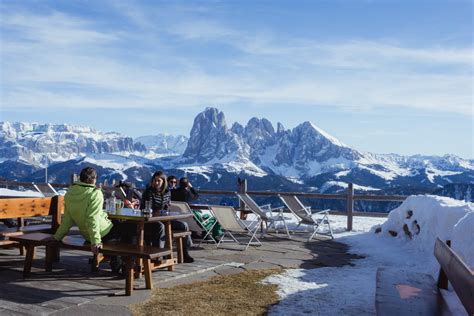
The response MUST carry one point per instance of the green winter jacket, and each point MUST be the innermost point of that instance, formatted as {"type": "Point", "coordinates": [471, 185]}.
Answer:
{"type": "Point", "coordinates": [83, 207]}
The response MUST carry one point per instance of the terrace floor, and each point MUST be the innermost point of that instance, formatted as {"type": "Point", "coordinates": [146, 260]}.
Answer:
{"type": "Point", "coordinates": [72, 289]}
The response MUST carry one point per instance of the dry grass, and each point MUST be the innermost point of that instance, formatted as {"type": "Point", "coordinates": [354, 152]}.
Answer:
{"type": "Point", "coordinates": [239, 294]}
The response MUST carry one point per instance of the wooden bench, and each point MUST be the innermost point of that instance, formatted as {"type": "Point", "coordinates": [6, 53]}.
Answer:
{"type": "Point", "coordinates": [127, 251]}
{"type": "Point", "coordinates": [29, 207]}
{"type": "Point", "coordinates": [408, 293]}
{"type": "Point", "coordinates": [454, 270]}
{"type": "Point", "coordinates": [179, 237]}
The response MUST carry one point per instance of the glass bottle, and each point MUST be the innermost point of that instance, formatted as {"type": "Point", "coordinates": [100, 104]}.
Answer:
{"type": "Point", "coordinates": [112, 202]}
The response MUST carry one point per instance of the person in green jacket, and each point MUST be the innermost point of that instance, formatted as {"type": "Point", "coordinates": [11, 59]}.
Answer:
{"type": "Point", "coordinates": [83, 207]}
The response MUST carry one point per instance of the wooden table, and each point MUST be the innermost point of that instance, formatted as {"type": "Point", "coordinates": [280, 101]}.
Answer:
{"type": "Point", "coordinates": [140, 219]}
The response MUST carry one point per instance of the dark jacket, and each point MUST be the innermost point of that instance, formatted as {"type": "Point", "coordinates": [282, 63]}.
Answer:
{"type": "Point", "coordinates": [184, 194]}
{"type": "Point", "coordinates": [159, 201]}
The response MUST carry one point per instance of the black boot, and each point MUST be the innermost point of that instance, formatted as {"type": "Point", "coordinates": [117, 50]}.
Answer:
{"type": "Point", "coordinates": [116, 264]}
{"type": "Point", "coordinates": [186, 257]}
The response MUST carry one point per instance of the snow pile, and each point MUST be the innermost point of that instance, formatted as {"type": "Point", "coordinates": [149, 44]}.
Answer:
{"type": "Point", "coordinates": [350, 290]}
{"type": "Point", "coordinates": [463, 235]}
{"type": "Point", "coordinates": [423, 218]}
{"type": "Point", "coordinates": [14, 193]}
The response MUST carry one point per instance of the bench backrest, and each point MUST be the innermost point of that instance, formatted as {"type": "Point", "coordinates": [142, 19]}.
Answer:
{"type": "Point", "coordinates": [31, 207]}
{"type": "Point", "coordinates": [458, 273]}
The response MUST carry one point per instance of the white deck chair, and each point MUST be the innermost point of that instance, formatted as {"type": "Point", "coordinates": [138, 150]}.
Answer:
{"type": "Point", "coordinates": [264, 212]}
{"type": "Point", "coordinates": [231, 225]}
{"type": "Point", "coordinates": [304, 215]}
{"type": "Point", "coordinates": [193, 223]}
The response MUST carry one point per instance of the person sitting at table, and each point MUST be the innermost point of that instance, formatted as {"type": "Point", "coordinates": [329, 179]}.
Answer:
{"type": "Point", "coordinates": [83, 207]}
{"type": "Point", "coordinates": [186, 193]}
{"type": "Point", "coordinates": [159, 195]}
{"type": "Point", "coordinates": [132, 196]}
{"type": "Point", "coordinates": [172, 183]}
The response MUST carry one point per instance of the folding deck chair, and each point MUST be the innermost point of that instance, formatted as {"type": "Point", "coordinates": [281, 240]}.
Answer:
{"type": "Point", "coordinates": [194, 224]}
{"type": "Point", "coordinates": [264, 213]}
{"type": "Point", "coordinates": [304, 215]}
{"type": "Point", "coordinates": [231, 225]}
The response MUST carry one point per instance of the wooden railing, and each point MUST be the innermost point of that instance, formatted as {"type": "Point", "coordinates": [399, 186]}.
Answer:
{"type": "Point", "coordinates": [350, 197]}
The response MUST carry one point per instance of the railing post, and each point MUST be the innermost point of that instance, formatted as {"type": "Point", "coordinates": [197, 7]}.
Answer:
{"type": "Point", "coordinates": [242, 188]}
{"type": "Point", "coordinates": [73, 178]}
{"type": "Point", "coordinates": [442, 277]}
{"type": "Point", "coordinates": [350, 205]}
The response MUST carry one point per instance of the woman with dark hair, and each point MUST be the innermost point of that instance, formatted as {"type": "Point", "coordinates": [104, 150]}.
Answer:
{"type": "Point", "coordinates": [159, 196]}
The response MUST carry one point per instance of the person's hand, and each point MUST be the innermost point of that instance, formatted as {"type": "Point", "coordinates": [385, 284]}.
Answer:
{"type": "Point", "coordinates": [96, 248]}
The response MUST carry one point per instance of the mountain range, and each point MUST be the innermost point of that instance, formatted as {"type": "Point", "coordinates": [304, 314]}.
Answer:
{"type": "Point", "coordinates": [304, 158]}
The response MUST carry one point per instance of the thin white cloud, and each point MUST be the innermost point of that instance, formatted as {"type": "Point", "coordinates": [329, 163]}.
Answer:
{"type": "Point", "coordinates": [61, 60]}
{"type": "Point", "coordinates": [54, 29]}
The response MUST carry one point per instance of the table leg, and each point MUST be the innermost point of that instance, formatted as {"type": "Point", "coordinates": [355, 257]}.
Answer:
{"type": "Point", "coordinates": [50, 252]}
{"type": "Point", "coordinates": [30, 253]}
{"type": "Point", "coordinates": [169, 242]}
{"type": "Point", "coordinates": [140, 242]}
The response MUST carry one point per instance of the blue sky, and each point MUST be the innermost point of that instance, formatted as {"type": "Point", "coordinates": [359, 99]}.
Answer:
{"type": "Point", "coordinates": [382, 76]}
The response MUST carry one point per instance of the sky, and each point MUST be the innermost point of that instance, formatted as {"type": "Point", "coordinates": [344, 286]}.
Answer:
{"type": "Point", "coordinates": [381, 76]}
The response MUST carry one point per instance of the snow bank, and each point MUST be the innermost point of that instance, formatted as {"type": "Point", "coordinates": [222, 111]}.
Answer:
{"type": "Point", "coordinates": [422, 218]}
{"type": "Point", "coordinates": [27, 193]}
{"type": "Point", "coordinates": [463, 236]}
{"type": "Point", "coordinates": [350, 290]}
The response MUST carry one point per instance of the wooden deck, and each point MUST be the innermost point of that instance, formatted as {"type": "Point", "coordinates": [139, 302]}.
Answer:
{"type": "Point", "coordinates": [71, 283]}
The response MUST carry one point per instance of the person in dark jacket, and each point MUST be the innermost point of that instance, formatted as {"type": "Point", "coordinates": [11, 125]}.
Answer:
{"type": "Point", "coordinates": [159, 196]}
{"type": "Point", "coordinates": [185, 192]}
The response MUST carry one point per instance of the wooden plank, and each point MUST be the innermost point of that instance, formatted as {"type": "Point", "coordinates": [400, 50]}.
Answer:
{"type": "Point", "coordinates": [18, 231]}
{"type": "Point", "coordinates": [302, 194]}
{"type": "Point", "coordinates": [458, 273]}
{"type": "Point", "coordinates": [360, 214]}
{"type": "Point", "coordinates": [405, 293]}
{"type": "Point", "coordinates": [373, 197]}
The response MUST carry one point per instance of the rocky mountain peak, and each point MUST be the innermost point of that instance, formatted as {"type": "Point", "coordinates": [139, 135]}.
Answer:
{"type": "Point", "coordinates": [210, 139]}
{"type": "Point", "coordinates": [259, 134]}
{"type": "Point", "coordinates": [237, 128]}
{"type": "Point", "coordinates": [280, 128]}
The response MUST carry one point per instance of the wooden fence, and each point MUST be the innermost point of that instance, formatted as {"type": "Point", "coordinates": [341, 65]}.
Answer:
{"type": "Point", "coordinates": [350, 197]}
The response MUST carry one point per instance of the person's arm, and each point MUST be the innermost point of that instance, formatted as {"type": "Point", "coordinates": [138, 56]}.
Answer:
{"type": "Point", "coordinates": [194, 194]}
{"type": "Point", "coordinates": [65, 226]}
{"type": "Point", "coordinates": [145, 197]}
{"type": "Point", "coordinates": [93, 212]}
{"type": "Point", "coordinates": [166, 200]}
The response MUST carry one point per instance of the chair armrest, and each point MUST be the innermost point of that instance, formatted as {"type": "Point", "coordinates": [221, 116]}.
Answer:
{"type": "Point", "coordinates": [323, 211]}
{"type": "Point", "coordinates": [277, 208]}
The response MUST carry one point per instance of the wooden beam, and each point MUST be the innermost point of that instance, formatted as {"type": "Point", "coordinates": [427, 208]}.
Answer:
{"type": "Point", "coordinates": [350, 205]}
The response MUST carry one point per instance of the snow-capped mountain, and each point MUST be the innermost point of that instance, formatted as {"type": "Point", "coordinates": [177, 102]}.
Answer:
{"type": "Point", "coordinates": [164, 143]}
{"type": "Point", "coordinates": [304, 158]}
{"type": "Point", "coordinates": [306, 152]}
{"type": "Point", "coordinates": [43, 144]}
